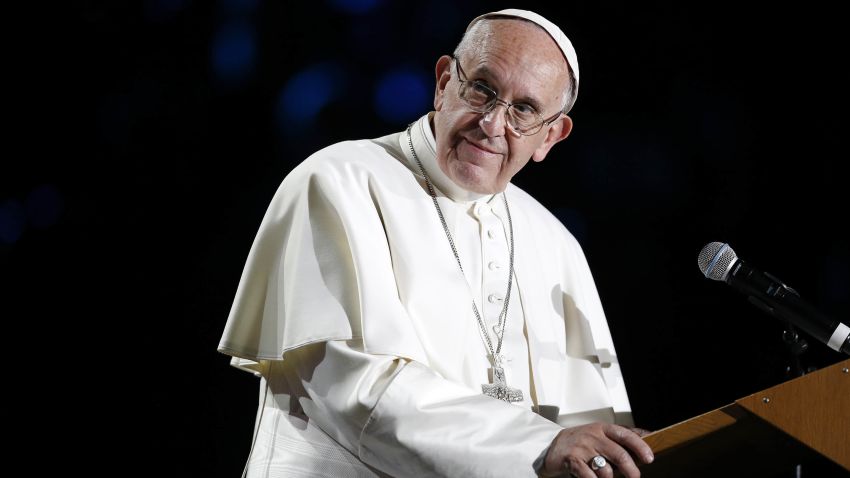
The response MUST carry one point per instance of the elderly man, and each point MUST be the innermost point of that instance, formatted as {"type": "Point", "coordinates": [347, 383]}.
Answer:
{"type": "Point", "coordinates": [411, 313]}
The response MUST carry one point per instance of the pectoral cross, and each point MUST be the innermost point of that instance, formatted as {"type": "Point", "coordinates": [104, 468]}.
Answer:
{"type": "Point", "coordinates": [499, 389]}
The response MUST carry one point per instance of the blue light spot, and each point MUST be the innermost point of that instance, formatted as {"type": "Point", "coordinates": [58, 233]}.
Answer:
{"type": "Point", "coordinates": [306, 93]}
{"type": "Point", "coordinates": [234, 51]}
{"type": "Point", "coordinates": [401, 95]}
{"type": "Point", "coordinates": [354, 6]}
{"type": "Point", "coordinates": [12, 219]}
{"type": "Point", "coordinates": [44, 205]}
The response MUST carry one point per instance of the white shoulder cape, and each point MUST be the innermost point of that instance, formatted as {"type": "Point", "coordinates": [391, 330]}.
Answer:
{"type": "Point", "coordinates": [350, 247]}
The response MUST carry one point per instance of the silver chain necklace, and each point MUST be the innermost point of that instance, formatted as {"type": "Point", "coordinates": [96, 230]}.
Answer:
{"type": "Point", "coordinates": [498, 388]}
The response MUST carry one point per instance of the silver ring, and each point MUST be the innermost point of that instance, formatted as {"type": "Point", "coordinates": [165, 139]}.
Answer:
{"type": "Point", "coordinates": [598, 462]}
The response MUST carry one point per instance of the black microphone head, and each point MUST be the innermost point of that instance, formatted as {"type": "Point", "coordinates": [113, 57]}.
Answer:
{"type": "Point", "coordinates": [715, 260]}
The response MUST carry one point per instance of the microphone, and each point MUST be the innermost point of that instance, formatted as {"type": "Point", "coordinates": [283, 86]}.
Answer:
{"type": "Point", "coordinates": [718, 261]}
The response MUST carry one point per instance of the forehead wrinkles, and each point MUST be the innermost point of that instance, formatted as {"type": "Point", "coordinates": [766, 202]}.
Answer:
{"type": "Point", "coordinates": [522, 47]}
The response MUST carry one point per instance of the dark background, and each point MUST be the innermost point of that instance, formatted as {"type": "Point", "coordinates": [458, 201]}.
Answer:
{"type": "Point", "coordinates": [145, 139]}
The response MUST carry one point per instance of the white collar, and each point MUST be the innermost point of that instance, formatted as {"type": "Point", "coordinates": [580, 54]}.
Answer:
{"type": "Point", "coordinates": [426, 150]}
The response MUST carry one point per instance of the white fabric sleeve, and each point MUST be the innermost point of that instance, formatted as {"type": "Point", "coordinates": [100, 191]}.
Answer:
{"type": "Point", "coordinates": [402, 418]}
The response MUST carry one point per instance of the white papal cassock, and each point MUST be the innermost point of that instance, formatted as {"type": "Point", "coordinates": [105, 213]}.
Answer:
{"type": "Point", "coordinates": [354, 313]}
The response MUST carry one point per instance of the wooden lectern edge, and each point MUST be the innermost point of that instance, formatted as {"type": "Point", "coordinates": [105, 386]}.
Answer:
{"type": "Point", "coordinates": [814, 409]}
{"type": "Point", "coordinates": [685, 432]}
{"type": "Point", "coordinates": [693, 428]}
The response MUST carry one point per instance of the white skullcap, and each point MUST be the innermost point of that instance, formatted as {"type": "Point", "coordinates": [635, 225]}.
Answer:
{"type": "Point", "coordinates": [560, 39]}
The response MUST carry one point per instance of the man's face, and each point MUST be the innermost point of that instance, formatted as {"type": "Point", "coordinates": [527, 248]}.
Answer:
{"type": "Point", "coordinates": [479, 151]}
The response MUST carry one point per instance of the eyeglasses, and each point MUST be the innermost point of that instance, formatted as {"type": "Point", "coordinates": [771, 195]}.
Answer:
{"type": "Point", "coordinates": [522, 117]}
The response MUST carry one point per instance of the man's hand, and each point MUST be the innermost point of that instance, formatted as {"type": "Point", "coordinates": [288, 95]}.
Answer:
{"type": "Point", "coordinates": [573, 449]}
{"type": "Point", "coordinates": [640, 431]}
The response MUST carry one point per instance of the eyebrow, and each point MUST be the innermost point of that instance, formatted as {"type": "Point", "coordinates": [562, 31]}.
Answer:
{"type": "Point", "coordinates": [485, 72]}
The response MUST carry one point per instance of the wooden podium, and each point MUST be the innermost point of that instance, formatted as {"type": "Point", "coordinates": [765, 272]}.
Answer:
{"type": "Point", "coordinates": [804, 422]}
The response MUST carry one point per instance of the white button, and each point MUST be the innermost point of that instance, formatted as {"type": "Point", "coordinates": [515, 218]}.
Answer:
{"type": "Point", "coordinates": [493, 298]}
{"type": "Point", "coordinates": [491, 234]}
{"type": "Point", "coordinates": [480, 209]}
{"type": "Point", "coordinates": [493, 265]}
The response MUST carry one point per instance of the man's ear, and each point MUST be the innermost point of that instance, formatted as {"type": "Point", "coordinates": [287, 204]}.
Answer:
{"type": "Point", "coordinates": [558, 131]}
{"type": "Point", "coordinates": [443, 72]}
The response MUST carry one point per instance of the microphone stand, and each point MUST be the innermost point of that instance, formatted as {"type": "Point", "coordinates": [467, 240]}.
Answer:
{"type": "Point", "coordinates": [797, 345]}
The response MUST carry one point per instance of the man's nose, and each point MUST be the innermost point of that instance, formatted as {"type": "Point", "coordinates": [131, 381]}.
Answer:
{"type": "Point", "coordinates": [494, 122]}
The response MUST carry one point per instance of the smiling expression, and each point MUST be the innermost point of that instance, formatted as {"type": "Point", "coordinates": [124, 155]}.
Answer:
{"type": "Point", "coordinates": [519, 60]}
